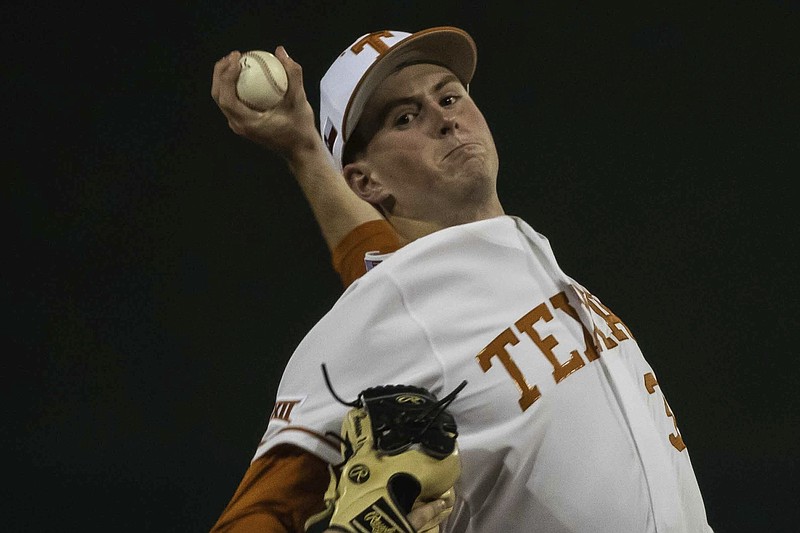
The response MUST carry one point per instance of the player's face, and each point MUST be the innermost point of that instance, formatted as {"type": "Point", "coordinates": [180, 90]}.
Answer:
{"type": "Point", "coordinates": [431, 155]}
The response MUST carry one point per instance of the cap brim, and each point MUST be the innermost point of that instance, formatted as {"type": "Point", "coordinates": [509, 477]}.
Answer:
{"type": "Point", "coordinates": [448, 46]}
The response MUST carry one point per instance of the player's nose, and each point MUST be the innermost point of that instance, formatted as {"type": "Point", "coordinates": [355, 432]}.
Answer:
{"type": "Point", "coordinates": [443, 120]}
{"type": "Point", "coordinates": [448, 124]}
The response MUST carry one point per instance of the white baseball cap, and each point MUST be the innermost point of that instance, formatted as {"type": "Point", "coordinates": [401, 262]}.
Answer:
{"type": "Point", "coordinates": [350, 80]}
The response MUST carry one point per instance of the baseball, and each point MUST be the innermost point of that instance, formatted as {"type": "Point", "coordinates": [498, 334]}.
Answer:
{"type": "Point", "coordinates": [262, 80]}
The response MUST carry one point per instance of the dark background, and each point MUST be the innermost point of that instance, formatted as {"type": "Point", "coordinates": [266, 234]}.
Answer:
{"type": "Point", "coordinates": [162, 269]}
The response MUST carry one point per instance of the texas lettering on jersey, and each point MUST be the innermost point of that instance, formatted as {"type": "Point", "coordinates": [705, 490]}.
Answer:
{"type": "Point", "coordinates": [594, 342]}
{"type": "Point", "coordinates": [526, 326]}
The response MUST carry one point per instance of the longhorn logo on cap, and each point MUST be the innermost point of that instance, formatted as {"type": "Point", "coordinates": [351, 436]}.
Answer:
{"type": "Point", "coordinates": [374, 41]}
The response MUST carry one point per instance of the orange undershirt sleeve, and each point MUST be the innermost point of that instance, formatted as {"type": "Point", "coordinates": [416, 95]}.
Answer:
{"type": "Point", "coordinates": [278, 492]}
{"type": "Point", "coordinates": [348, 255]}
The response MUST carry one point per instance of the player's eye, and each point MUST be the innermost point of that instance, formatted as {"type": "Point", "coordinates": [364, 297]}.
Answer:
{"type": "Point", "coordinates": [403, 119]}
{"type": "Point", "coordinates": [448, 100]}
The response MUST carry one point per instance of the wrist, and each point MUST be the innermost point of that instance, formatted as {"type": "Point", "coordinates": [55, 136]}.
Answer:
{"type": "Point", "coordinates": [309, 153]}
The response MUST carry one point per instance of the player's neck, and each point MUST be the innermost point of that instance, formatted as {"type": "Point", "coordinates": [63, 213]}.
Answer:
{"type": "Point", "coordinates": [411, 229]}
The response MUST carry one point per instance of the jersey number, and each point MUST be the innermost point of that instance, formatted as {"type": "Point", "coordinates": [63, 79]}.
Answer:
{"type": "Point", "coordinates": [675, 439]}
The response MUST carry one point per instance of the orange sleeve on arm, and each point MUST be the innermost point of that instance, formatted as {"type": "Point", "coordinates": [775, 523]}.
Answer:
{"type": "Point", "coordinates": [278, 493]}
{"type": "Point", "coordinates": [348, 255]}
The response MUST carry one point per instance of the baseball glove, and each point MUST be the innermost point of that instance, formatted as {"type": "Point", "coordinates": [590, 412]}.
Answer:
{"type": "Point", "coordinates": [399, 448]}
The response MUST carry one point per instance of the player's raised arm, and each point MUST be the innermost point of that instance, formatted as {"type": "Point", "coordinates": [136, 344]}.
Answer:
{"type": "Point", "coordinates": [289, 130]}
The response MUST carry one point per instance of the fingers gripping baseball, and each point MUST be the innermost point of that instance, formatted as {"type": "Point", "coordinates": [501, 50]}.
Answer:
{"type": "Point", "coordinates": [285, 128]}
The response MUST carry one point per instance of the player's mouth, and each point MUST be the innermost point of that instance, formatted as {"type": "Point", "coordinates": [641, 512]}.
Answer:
{"type": "Point", "coordinates": [467, 147]}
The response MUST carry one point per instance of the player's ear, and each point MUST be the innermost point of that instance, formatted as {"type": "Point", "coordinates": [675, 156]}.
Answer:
{"type": "Point", "coordinates": [362, 182]}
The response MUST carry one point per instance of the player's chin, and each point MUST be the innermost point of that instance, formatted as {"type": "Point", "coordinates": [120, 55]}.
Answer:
{"type": "Point", "coordinates": [475, 174]}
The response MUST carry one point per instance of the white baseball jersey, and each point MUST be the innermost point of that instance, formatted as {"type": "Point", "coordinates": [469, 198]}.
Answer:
{"type": "Point", "coordinates": [563, 426]}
